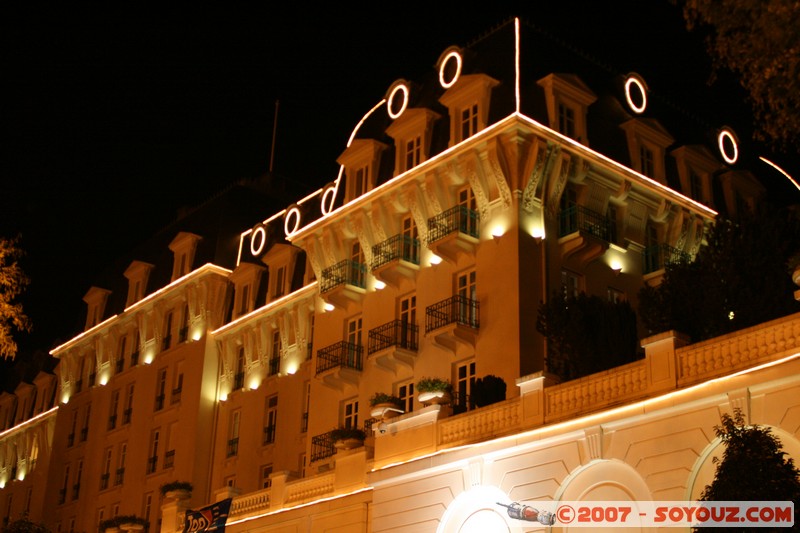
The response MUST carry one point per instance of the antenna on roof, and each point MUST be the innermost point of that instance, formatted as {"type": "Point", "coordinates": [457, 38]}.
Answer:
{"type": "Point", "coordinates": [274, 130]}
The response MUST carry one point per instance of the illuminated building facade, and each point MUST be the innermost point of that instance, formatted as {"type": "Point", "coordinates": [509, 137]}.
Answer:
{"type": "Point", "coordinates": [463, 201]}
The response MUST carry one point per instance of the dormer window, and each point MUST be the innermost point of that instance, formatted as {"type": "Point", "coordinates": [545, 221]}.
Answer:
{"type": "Point", "coordinates": [281, 260]}
{"type": "Point", "coordinates": [568, 100]}
{"type": "Point", "coordinates": [183, 247]}
{"type": "Point", "coordinates": [468, 103]}
{"type": "Point", "coordinates": [696, 165]}
{"type": "Point", "coordinates": [361, 161]}
{"type": "Point", "coordinates": [137, 273]}
{"type": "Point", "coordinates": [95, 299]}
{"type": "Point", "coordinates": [246, 282]}
{"type": "Point", "coordinates": [647, 144]}
{"type": "Point", "coordinates": [411, 132]}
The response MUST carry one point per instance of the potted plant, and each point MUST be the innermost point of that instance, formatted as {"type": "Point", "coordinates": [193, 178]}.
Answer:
{"type": "Point", "coordinates": [123, 522]}
{"type": "Point", "coordinates": [433, 390]}
{"type": "Point", "coordinates": [346, 438]}
{"type": "Point", "coordinates": [385, 405]}
{"type": "Point", "coordinates": [176, 489]}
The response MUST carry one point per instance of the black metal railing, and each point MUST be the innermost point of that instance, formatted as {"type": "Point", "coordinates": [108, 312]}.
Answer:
{"type": "Point", "coordinates": [78, 385]}
{"type": "Point", "coordinates": [269, 434]}
{"type": "Point", "coordinates": [104, 480]}
{"type": "Point", "coordinates": [345, 272]}
{"type": "Point", "coordinates": [135, 358]}
{"type": "Point", "coordinates": [152, 464]}
{"type": "Point", "coordinates": [304, 422]}
{"type": "Point", "coordinates": [92, 379]}
{"type": "Point", "coordinates": [176, 395]}
{"type": "Point", "coordinates": [169, 459]}
{"type": "Point", "coordinates": [165, 344]}
{"type": "Point", "coordinates": [396, 247]}
{"type": "Point", "coordinates": [76, 491]}
{"type": "Point", "coordinates": [183, 334]}
{"type": "Point", "coordinates": [458, 218]}
{"type": "Point", "coordinates": [454, 310]}
{"type": "Point", "coordinates": [238, 381]}
{"type": "Point", "coordinates": [112, 421]}
{"type": "Point", "coordinates": [579, 218]}
{"type": "Point", "coordinates": [322, 446]}
{"type": "Point", "coordinates": [70, 439]}
{"type": "Point", "coordinates": [274, 365]}
{"type": "Point", "coordinates": [84, 434]}
{"type": "Point", "coordinates": [659, 256]}
{"type": "Point", "coordinates": [120, 364]}
{"type": "Point", "coordinates": [126, 415]}
{"type": "Point", "coordinates": [119, 477]}
{"type": "Point", "coordinates": [395, 333]}
{"type": "Point", "coordinates": [343, 354]}
{"type": "Point", "coordinates": [233, 447]}
{"type": "Point", "coordinates": [159, 402]}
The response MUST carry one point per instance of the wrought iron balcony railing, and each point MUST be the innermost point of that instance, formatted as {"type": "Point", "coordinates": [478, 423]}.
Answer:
{"type": "Point", "coordinates": [579, 218]}
{"type": "Point", "coordinates": [126, 415]}
{"type": "Point", "coordinates": [659, 256]}
{"type": "Point", "coordinates": [454, 310]}
{"type": "Point", "coordinates": [135, 358]}
{"type": "Point", "coordinates": [104, 480]}
{"type": "Point", "coordinates": [322, 446]}
{"type": "Point", "coordinates": [343, 354]}
{"type": "Point", "coordinates": [152, 464]}
{"type": "Point", "coordinates": [396, 247]}
{"type": "Point", "coordinates": [169, 459]}
{"type": "Point", "coordinates": [345, 272]}
{"type": "Point", "coordinates": [395, 333]}
{"type": "Point", "coordinates": [458, 218]}
{"type": "Point", "coordinates": [159, 402]}
{"type": "Point", "coordinates": [269, 434]}
{"type": "Point", "coordinates": [119, 477]}
{"type": "Point", "coordinates": [233, 447]}
{"type": "Point", "coordinates": [274, 366]}
{"type": "Point", "coordinates": [120, 364]}
{"type": "Point", "coordinates": [176, 395]}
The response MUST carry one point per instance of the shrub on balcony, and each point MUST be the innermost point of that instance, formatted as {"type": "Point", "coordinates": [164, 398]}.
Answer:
{"type": "Point", "coordinates": [345, 433]}
{"type": "Point", "coordinates": [488, 390]}
{"type": "Point", "coordinates": [434, 385]}
{"type": "Point", "coordinates": [174, 486]}
{"type": "Point", "coordinates": [382, 397]}
{"type": "Point", "coordinates": [118, 521]}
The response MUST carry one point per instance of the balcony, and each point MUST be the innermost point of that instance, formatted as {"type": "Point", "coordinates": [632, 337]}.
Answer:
{"type": "Point", "coordinates": [394, 343]}
{"type": "Point", "coordinates": [395, 258]}
{"type": "Point", "coordinates": [322, 447]}
{"type": "Point", "coordinates": [340, 364]}
{"type": "Point", "coordinates": [454, 232]}
{"type": "Point", "coordinates": [453, 321]}
{"type": "Point", "coordinates": [169, 459]}
{"type": "Point", "coordinates": [344, 283]}
{"type": "Point", "coordinates": [104, 481]}
{"type": "Point", "coordinates": [176, 395]}
{"type": "Point", "coordinates": [233, 447]}
{"type": "Point", "coordinates": [119, 477]}
{"type": "Point", "coordinates": [274, 366]}
{"type": "Point", "coordinates": [126, 415]}
{"type": "Point", "coordinates": [269, 434]}
{"type": "Point", "coordinates": [152, 464]}
{"type": "Point", "coordinates": [657, 257]}
{"type": "Point", "coordinates": [584, 234]}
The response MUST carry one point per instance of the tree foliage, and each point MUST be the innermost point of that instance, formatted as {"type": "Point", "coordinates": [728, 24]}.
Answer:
{"type": "Point", "coordinates": [586, 334]}
{"type": "Point", "coordinates": [23, 525]}
{"type": "Point", "coordinates": [12, 283]}
{"type": "Point", "coordinates": [759, 41]}
{"type": "Point", "coordinates": [753, 466]}
{"type": "Point", "coordinates": [739, 279]}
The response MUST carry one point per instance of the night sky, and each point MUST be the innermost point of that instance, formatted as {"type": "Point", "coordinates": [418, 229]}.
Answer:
{"type": "Point", "coordinates": [114, 120]}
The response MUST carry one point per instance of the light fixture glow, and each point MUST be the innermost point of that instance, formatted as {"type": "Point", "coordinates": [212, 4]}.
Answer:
{"type": "Point", "coordinates": [379, 285]}
{"type": "Point", "coordinates": [254, 383]}
{"type": "Point", "coordinates": [223, 396]}
{"type": "Point", "coordinates": [390, 103]}
{"type": "Point", "coordinates": [291, 367]}
{"type": "Point", "coordinates": [729, 154]}
{"type": "Point", "coordinates": [634, 80]}
{"type": "Point", "coordinates": [148, 358]}
{"type": "Point", "coordinates": [328, 307]}
{"type": "Point", "coordinates": [435, 259]}
{"type": "Point", "coordinates": [498, 231]}
{"type": "Point", "coordinates": [104, 379]}
{"type": "Point", "coordinates": [779, 169]}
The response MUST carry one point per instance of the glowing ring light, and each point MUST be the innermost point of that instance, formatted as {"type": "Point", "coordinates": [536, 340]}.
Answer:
{"type": "Point", "coordinates": [328, 197]}
{"type": "Point", "coordinates": [258, 230]}
{"type": "Point", "coordinates": [390, 102]}
{"type": "Point", "coordinates": [639, 83]}
{"type": "Point", "coordinates": [452, 55]}
{"type": "Point", "coordinates": [728, 134]}
{"type": "Point", "coordinates": [293, 211]}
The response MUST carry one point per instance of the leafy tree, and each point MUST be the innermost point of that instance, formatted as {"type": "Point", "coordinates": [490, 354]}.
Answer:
{"type": "Point", "coordinates": [759, 41]}
{"type": "Point", "coordinates": [753, 467]}
{"type": "Point", "coordinates": [586, 334]}
{"type": "Point", "coordinates": [12, 282]}
{"type": "Point", "coordinates": [736, 281]}
{"type": "Point", "coordinates": [23, 525]}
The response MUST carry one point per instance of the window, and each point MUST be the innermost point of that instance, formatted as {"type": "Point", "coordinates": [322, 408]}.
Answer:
{"type": "Point", "coordinates": [122, 457]}
{"type": "Point", "coordinates": [306, 407]}
{"type": "Point", "coordinates": [266, 480]}
{"type": "Point", "coordinates": [413, 153]}
{"type": "Point", "coordinates": [183, 333]}
{"type": "Point", "coordinates": [570, 284]}
{"type": "Point", "coordinates": [361, 181]}
{"type": "Point", "coordinates": [696, 186]}
{"type": "Point", "coordinates": [135, 349]}
{"type": "Point", "coordinates": [244, 300]}
{"type": "Point", "coordinates": [152, 459]}
{"type": "Point", "coordinates": [76, 486]}
{"type": "Point", "coordinates": [468, 220]}
{"type": "Point", "coordinates": [615, 296]}
{"type": "Point", "coordinates": [354, 326]}
{"type": "Point", "coordinates": [350, 414]}
{"type": "Point", "coordinates": [408, 319]}
{"type": "Point", "coordinates": [62, 494]}
{"type": "Point", "coordinates": [646, 161]}
{"type": "Point", "coordinates": [233, 434]}
{"type": "Point", "coordinates": [469, 121]}
{"type": "Point", "coordinates": [230, 481]}
{"type": "Point", "coordinates": [85, 428]}
{"type": "Point", "coordinates": [270, 419]}
{"type": "Point", "coordinates": [405, 391]}
{"type": "Point", "coordinates": [465, 378]}
{"type": "Point", "coordinates": [410, 240]}
{"type": "Point", "coordinates": [73, 428]}
{"type": "Point", "coordinates": [147, 506]}
{"type": "Point", "coordinates": [121, 353]}
{"type": "Point", "coordinates": [238, 378]}
{"type": "Point", "coordinates": [357, 261]}
{"type": "Point", "coordinates": [161, 389]}
{"type": "Point", "coordinates": [128, 412]}
{"type": "Point", "coordinates": [177, 386]}
{"type": "Point", "coordinates": [104, 477]}
{"type": "Point", "coordinates": [467, 291]}
{"type": "Point", "coordinates": [275, 356]}
{"type": "Point", "coordinates": [112, 414]}
{"type": "Point", "coordinates": [280, 282]}
{"type": "Point", "coordinates": [566, 120]}
{"type": "Point", "coordinates": [167, 342]}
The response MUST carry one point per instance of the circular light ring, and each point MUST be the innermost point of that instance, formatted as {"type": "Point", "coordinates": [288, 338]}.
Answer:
{"type": "Point", "coordinates": [732, 155]}
{"type": "Point", "coordinates": [634, 80]}
{"type": "Point", "coordinates": [451, 54]}
{"type": "Point", "coordinates": [290, 228]}
{"type": "Point", "coordinates": [400, 86]}
{"type": "Point", "coordinates": [328, 198]}
{"type": "Point", "coordinates": [259, 235]}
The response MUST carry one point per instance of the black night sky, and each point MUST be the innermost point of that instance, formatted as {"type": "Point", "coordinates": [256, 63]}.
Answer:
{"type": "Point", "coordinates": [113, 120]}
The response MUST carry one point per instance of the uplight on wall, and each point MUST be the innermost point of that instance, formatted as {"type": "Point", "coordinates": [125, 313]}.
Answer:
{"type": "Point", "coordinates": [379, 285]}
{"type": "Point", "coordinates": [616, 266]}
{"type": "Point", "coordinates": [328, 307]}
{"type": "Point", "coordinates": [435, 259]}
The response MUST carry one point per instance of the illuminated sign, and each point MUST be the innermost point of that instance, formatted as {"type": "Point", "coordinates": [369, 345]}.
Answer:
{"type": "Point", "coordinates": [454, 56]}
{"type": "Point", "coordinates": [636, 91]}
{"type": "Point", "coordinates": [728, 145]}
